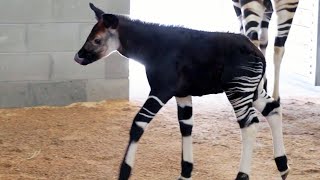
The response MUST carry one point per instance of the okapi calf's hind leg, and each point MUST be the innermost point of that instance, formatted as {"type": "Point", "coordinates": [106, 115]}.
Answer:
{"type": "Point", "coordinates": [150, 108]}
{"type": "Point", "coordinates": [247, 119]}
{"type": "Point", "coordinates": [241, 83]}
{"type": "Point", "coordinates": [271, 109]}
{"type": "Point", "coordinates": [186, 123]}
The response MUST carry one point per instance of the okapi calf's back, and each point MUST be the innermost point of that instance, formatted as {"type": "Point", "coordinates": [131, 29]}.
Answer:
{"type": "Point", "coordinates": [182, 63]}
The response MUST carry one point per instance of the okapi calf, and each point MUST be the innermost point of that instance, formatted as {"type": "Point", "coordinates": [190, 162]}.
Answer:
{"type": "Point", "coordinates": [182, 62]}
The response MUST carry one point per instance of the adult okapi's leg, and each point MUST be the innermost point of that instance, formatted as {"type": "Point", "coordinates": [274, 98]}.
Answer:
{"type": "Point", "coordinates": [252, 12]}
{"type": "Point", "coordinates": [264, 34]}
{"type": "Point", "coordinates": [153, 104]}
{"type": "Point", "coordinates": [271, 109]}
{"type": "Point", "coordinates": [285, 12]}
{"type": "Point", "coordinates": [265, 27]}
{"type": "Point", "coordinates": [186, 123]}
{"type": "Point", "coordinates": [237, 9]}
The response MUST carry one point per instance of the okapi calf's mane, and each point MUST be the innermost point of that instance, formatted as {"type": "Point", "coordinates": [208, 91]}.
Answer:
{"type": "Point", "coordinates": [140, 40]}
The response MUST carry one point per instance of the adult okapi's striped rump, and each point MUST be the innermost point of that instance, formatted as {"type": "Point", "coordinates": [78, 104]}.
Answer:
{"type": "Point", "coordinates": [254, 17]}
{"type": "Point", "coordinates": [182, 63]}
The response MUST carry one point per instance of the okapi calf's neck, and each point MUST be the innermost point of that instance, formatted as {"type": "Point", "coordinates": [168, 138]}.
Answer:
{"type": "Point", "coordinates": [183, 63]}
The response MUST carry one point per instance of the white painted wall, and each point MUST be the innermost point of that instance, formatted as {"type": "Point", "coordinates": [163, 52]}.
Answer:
{"type": "Point", "coordinates": [298, 67]}
{"type": "Point", "coordinates": [209, 15]}
{"type": "Point", "coordinates": [301, 47]}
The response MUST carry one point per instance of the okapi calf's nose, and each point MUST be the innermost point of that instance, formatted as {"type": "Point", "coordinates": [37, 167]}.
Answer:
{"type": "Point", "coordinates": [79, 58]}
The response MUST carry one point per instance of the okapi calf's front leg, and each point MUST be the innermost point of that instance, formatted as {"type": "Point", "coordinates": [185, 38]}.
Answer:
{"type": "Point", "coordinates": [186, 123]}
{"type": "Point", "coordinates": [150, 108]}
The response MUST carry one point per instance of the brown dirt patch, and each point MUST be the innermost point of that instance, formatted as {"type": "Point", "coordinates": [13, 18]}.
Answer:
{"type": "Point", "coordinates": [87, 141]}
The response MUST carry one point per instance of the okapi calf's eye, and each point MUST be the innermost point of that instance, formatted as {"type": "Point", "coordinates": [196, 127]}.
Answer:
{"type": "Point", "coordinates": [97, 41]}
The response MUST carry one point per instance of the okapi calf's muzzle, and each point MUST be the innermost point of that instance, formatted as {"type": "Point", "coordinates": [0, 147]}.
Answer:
{"type": "Point", "coordinates": [84, 58]}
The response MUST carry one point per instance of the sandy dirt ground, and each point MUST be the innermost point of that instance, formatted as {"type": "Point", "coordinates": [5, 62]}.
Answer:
{"type": "Point", "coordinates": [87, 141]}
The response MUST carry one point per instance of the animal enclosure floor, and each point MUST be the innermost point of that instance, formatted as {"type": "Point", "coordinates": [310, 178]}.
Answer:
{"type": "Point", "coordinates": [87, 141]}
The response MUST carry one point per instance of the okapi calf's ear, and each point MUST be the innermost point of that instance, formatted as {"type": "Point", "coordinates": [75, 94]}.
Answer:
{"type": "Point", "coordinates": [110, 21]}
{"type": "Point", "coordinates": [97, 11]}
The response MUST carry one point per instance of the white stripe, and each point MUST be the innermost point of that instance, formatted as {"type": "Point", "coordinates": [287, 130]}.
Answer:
{"type": "Point", "coordinates": [252, 29]}
{"type": "Point", "coordinates": [131, 153]}
{"type": "Point", "coordinates": [184, 101]}
{"type": "Point", "coordinates": [286, 171]}
{"type": "Point", "coordinates": [253, 5]}
{"type": "Point", "coordinates": [141, 124]}
{"type": "Point", "coordinates": [242, 113]}
{"type": "Point", "coordinates": [149, 111]}
{"type": "Point", "coordinates": [283, 16]}
{"type": "Point", "coordinates": [247, 84]}
{"type": "Point", "coordinates": [187, 149]}
{"type": "Point", "coordinates": [255, 69]}
{"type": "Point", "coordinates": [243, 101]}
{"type": "Point", "coordinates": [251, 17]}
{"type": "Point", "coordinates": [146, 115]}
{"type": "Point", "coordinates": [247, 78]}
{"type": "Point", "coordinates": [236, 4]}
{"type": "Point", "coordinates": [250, 117]}
{"type": "Point", "coordinates": [187, 121]}
{"type": "Point", "coordinates": [285, 4]}
{"type": "Point", "coordinates": [283, 25]}
{"type": "Point", "coordinates": [157, 99]}
{"type": "Point", "coordinates": [283, 33]}
{"type": "Point", "coordinates": [239, 89]}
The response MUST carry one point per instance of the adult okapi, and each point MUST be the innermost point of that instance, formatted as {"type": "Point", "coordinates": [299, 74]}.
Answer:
{"type": "Point", "coordinates": [254, 17]}
{"type": "Point", "coordinates": [181, 63]}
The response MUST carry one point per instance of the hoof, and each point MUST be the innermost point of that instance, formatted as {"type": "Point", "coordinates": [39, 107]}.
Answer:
{"type": "Point", "coordinates": [242, 176]}
{"type": "Point", "coordinates": [278, 100]}
{"type": "Point", "coordinates": [183, 178]}
{"type": "Point", "coordinates": [285, 174]}
{"type": "Point", "coordinates": [282, 165]}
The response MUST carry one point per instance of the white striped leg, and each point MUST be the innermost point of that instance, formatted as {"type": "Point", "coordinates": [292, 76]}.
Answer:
{"type": "Point", "coordinates": [264, 31]}
{"type": "Point", "coordinates": [140, 122]}
{"type": "Point", "coordinates": [271, 109]}
{"type": "Point", "coordinates": [241, 97]}
{"type": "Point", "coordinates": [237, 9]}
{"type": "Point", "coordinates": [277, 58]}
{"type": "Point", "coordinates": [186, 123]}
{"type": "Point", "coordinates": [252, 16]}
{"type": "Point", "coordinates": [285, 12]}
{"type": "Point", "coordinates": [246, 116]}
{"type": "Point", "coordinates": [248, 140]}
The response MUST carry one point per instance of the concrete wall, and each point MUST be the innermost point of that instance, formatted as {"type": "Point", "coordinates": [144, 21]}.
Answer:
{"type": "Point", "coordinates": [301, 48]}
{"type": "Point", "coordinates": [38, 39]}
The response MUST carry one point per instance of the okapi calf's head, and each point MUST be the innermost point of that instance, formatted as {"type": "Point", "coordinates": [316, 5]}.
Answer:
{"type": "Point", "coordinates": [103, 39]}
